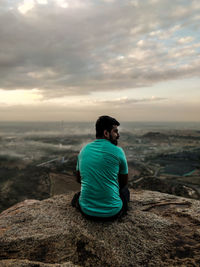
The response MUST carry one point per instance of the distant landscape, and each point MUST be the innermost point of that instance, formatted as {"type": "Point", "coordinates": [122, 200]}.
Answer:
{"type": "Point", "coordinates": [38, 160]}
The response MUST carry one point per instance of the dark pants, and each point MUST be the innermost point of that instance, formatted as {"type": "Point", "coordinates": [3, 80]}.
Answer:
{"type": "Point", "coordinates": [125, 197]}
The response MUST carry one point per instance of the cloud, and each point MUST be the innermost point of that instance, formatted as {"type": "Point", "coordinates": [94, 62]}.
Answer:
{"type": "Point", "coordinates": [26, 6]}
{"type": "Point", "coordinates": [125, 101]}
{"type": "Point", "coordinates": [185, 40]}
{"type": "Point", "coordinates": [79, 47]}
{"type": "Point", "coordinates": [122, 109]}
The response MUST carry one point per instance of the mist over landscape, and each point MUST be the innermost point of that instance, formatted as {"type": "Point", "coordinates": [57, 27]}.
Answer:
{"type": "Point", "coordinates": [38, 159]}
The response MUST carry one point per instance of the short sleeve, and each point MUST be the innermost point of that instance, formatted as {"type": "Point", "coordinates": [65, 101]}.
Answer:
{"type": "Point", "coordinates": [123, 168]}
{"type": "Point", "coordinates": [77, 164]}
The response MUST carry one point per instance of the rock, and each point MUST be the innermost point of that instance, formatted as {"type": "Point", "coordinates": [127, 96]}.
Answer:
{"type": "Point", "coordinates": [156, 136]}
{"type": "Point", "coordinates": [159, 230]}
{"type": "Point", "coordinates": [19, 184]}
{"type": "Point", "coordinates": [27, 263]}
{"type": "Point", "coordinates": [179, 186]}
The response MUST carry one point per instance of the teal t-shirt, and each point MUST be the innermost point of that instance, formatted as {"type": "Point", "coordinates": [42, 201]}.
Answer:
{"type": "Point", "coordinates": [99, 164]}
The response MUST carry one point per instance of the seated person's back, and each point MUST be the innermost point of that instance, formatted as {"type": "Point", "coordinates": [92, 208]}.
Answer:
{"type": "Point", "coordinates": [99, 163]}
{"type": "Point", "coordinates": [103, 172]}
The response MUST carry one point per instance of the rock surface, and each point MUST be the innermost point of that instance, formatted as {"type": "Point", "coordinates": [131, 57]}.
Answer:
{"type": "Point", "coordinates": [20, 183]}
{"type": "Point", "coordinates": [159, 230]}
{"type": "Point", "coordinates": [27, 263]}
{"type": "Point", "coordinates": [180, 186]}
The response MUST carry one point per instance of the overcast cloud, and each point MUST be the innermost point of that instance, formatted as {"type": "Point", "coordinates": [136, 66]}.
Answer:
{"type": "Point", "coordinates": [78, 47]}
{"type": "Point", "coordinates": [76, 60]}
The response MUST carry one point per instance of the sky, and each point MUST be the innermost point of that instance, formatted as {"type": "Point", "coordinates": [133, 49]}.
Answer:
{"type": "Point", "coordinates": [75, 60]}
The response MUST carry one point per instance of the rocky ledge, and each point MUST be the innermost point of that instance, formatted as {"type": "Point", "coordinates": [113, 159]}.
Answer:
{"type": "Point", "coordinates": [159, 230]}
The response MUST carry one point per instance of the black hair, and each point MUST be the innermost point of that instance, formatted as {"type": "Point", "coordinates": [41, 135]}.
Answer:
{"type": "Point", "coordinates": [105, 123]}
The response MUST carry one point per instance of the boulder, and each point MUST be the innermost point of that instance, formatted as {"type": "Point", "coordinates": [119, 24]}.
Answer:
{"type": "Point", "coordinates": [159, 230]}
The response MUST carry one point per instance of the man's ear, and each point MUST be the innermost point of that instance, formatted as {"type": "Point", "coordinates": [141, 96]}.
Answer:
{"type": "Point", "coordinates": [106, 134]}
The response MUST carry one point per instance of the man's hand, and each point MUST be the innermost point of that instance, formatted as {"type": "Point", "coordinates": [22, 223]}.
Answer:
{"type": "Point", "coordinates": [123, 180]}
{"type": "Point", "coordinates": [78, 177]}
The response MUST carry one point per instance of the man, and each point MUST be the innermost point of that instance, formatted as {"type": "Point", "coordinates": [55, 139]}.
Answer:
{"type": "Point", "coordinates": [102, 171]}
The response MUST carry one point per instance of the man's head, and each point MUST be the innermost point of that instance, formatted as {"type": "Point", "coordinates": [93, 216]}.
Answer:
{"type": "Point", "coordinates": [106, 127]}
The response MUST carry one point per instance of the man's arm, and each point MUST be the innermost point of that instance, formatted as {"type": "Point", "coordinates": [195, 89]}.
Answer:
{"type": "Point", "coordinates": [78, 177]}
{"type": "Point", "coordinates": [123, 180]}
